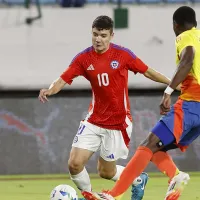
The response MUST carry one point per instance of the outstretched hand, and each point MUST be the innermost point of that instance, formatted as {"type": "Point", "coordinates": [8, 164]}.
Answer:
{"type": "Point", "coordinates": [44, 93]}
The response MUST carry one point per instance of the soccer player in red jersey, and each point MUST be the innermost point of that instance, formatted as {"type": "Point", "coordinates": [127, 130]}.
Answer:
{"type": "Point", "coordinates": [108, 126]}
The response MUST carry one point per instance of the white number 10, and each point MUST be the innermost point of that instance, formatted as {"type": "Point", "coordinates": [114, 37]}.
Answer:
{"type": "Point", "coordinates": [103, 79]}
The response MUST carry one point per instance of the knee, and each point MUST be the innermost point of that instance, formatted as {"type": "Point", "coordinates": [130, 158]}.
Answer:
{"type": "Point", "coordinates": [106, 174]}
{"type": "Point", "coordinates": [75, 166]}
{"type": "Point", "coordinates": [152, 143]}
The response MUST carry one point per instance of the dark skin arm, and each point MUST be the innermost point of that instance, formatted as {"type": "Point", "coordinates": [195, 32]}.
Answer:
{"type": "Point", "coordinates": [183, 68]}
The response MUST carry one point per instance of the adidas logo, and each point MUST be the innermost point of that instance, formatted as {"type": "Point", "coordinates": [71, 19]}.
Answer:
{"type": "Point", "coordinates": [111, 156]}
{"type": "Point", "coordinates": [90, 67]}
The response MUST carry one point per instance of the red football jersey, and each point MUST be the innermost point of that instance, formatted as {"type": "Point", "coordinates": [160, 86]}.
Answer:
{"type": "Point", "coordinates": [108, 76]}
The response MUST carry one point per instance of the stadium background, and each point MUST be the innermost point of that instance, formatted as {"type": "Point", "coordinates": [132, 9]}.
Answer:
{"type": "Point", "coordinates": [36, 138]}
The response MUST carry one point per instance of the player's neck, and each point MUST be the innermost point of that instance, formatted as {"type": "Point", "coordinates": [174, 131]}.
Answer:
{"type": "Point", "coordinates": [103, 51]}
{"type": "Point", "coordinates": [189, 27]}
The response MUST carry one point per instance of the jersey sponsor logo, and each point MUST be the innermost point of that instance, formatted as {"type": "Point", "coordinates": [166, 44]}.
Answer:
{"type": "Point", "coordinates": [91, 67]}
{"type": "Point", "coordinates": [114, 64]}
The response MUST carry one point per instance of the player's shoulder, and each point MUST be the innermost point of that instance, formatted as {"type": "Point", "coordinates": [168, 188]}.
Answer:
{"type": "Point", "coordinates": [184, 37]}
{"type": "Point", "coordinates": [123, 50]}
{"type": "Point", "coordinates": [83, 53]}
{"type": "Point", "coordinates": [86, 51]}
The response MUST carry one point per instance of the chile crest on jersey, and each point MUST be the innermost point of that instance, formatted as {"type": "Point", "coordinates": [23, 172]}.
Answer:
{"type": "Point", "coordinates": [114, 64]}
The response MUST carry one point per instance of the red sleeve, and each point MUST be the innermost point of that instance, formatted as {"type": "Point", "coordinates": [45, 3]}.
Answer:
{"type": "Point", "coordinates": [136, 65]}
{"type": "Point", "coordinates": [75, 69]}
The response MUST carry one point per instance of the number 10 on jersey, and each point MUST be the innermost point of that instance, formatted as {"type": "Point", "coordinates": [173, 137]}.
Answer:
{"type": "Point", "coordinates": [103, 79]}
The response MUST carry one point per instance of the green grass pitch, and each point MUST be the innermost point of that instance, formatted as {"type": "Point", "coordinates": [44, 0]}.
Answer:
{"type": "Point", "coordinates": [38, 187]}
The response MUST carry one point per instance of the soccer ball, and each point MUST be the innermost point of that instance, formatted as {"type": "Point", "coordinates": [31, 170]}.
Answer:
{"type": "Point", "coordinates": [63, 192]}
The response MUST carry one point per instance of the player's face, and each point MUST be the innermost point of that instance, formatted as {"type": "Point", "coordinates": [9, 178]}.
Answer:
{"type": "Point", "coordinates": [101, 39]}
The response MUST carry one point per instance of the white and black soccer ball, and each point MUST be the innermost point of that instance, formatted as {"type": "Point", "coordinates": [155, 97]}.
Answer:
{"type": "Point", "coordinates": [63, 192]}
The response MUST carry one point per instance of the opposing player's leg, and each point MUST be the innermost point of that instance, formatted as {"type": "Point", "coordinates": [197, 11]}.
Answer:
{"type": "Point", "coordinates": [178, 182]}
{"type": "Point", "coordinates": [165, 164]}
{"type": "Point", "coordinates": [185, 126]}
{"type": "Point", "coordinates": [85, 143]}
{"type": "Point", "coordinates": [177, 185]}
{"type": "Point", "coordinates": [187, 129]}
{"type": "Point", "coordinates": [162, 159]}
{"type": "Point", "coordinates": [177, 179]}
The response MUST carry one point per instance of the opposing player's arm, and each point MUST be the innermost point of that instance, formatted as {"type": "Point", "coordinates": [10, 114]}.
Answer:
{"type": "Point", "coordinates": [186, 52]}
{"type": "Point", "coordinates": [184, 66]}
{"type": "Point", "coordinates": [156, 76]}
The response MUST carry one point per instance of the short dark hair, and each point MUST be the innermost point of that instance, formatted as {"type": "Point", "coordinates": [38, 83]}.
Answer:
{"type": "Point", "coordinates": [183, 15]}
{"type": "Point", "coordinates": [103, 22]}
